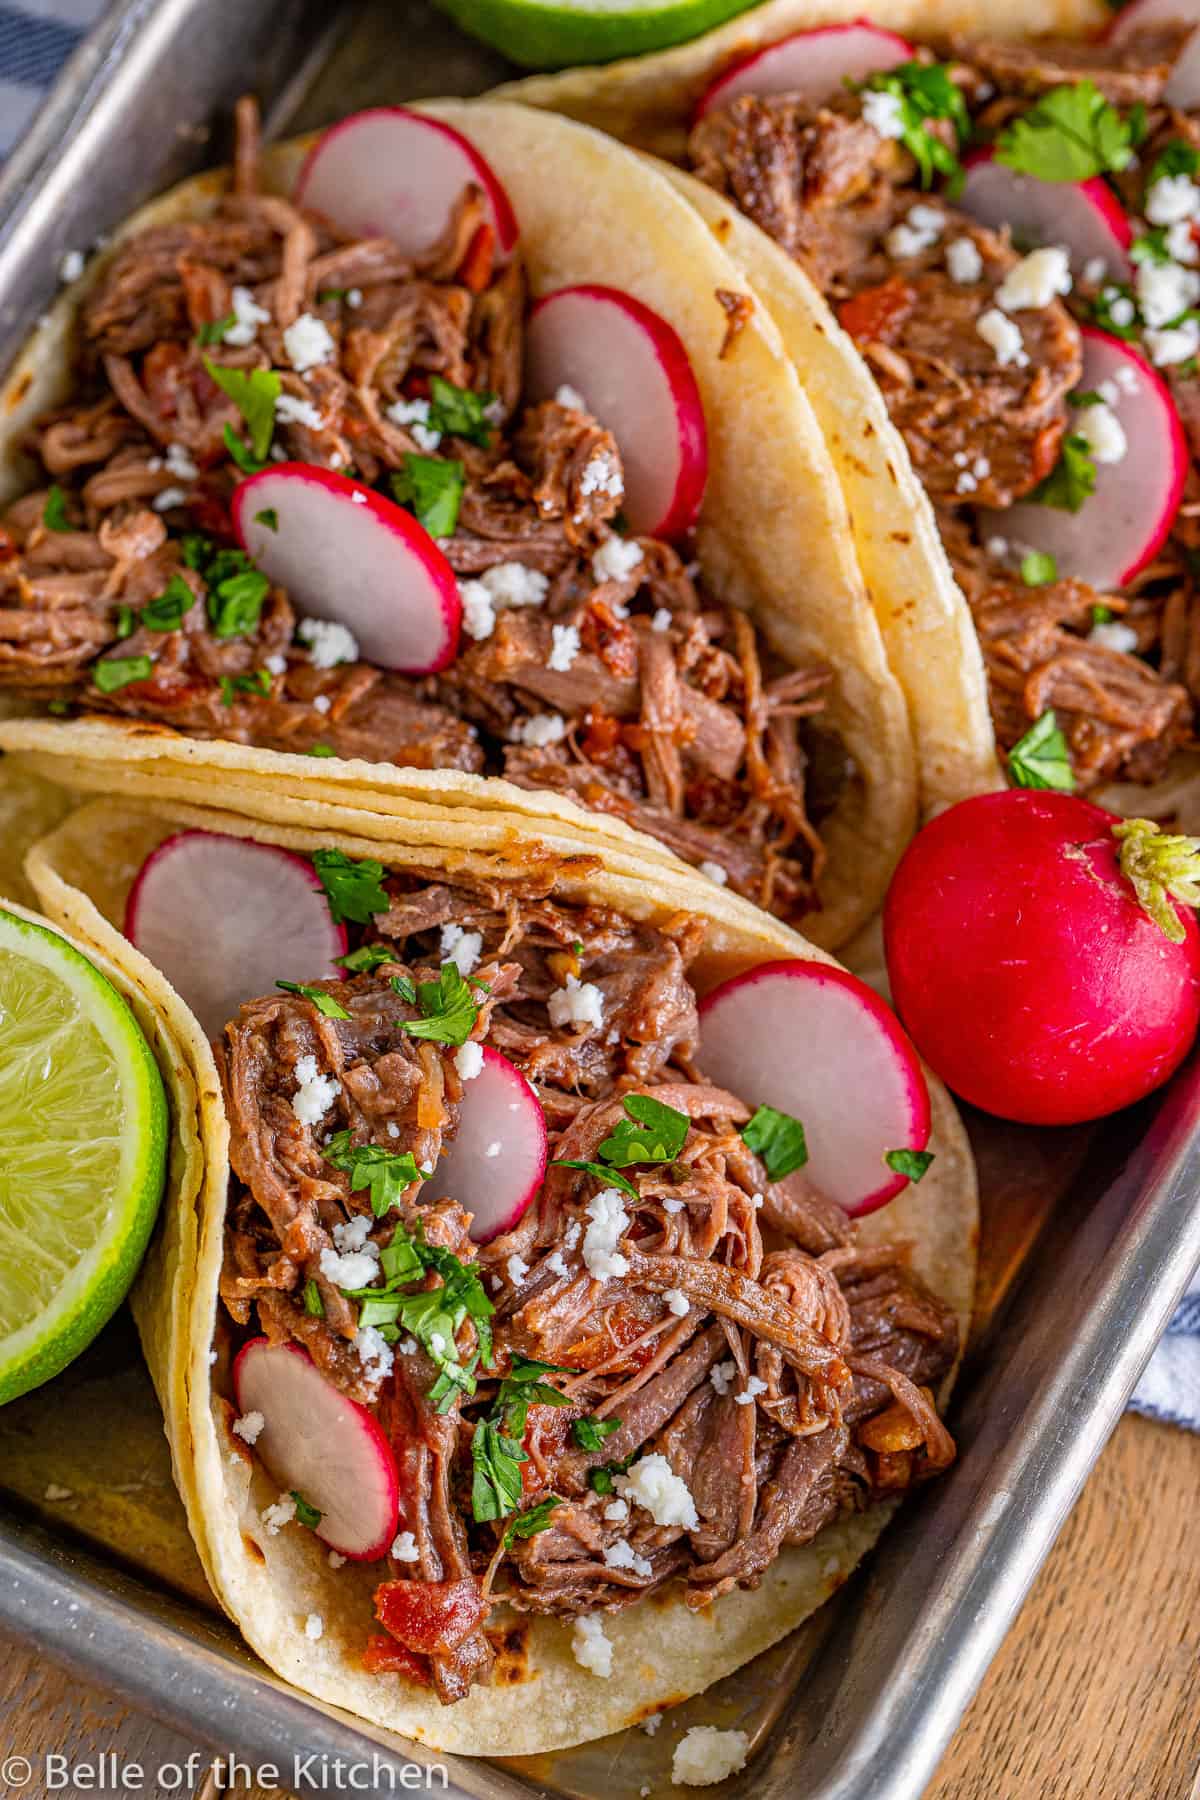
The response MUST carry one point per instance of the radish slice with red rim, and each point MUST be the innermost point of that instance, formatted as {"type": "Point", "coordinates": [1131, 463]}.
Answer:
{"type": "Point", "coordinates": [225, 918]}
{"type": "Point", "coordinates": [496, 1162]}
{"type": "Point", "coordinates": [633, 374]}
{"type": "Point", "coordinates": [816, 1042]}
{"type": "Point", "coordinates": [346, 554]}
{"type": "Point", "coordinates": [1183, 87]}
{"type": "Point", "coordinates": [317, 1442]}
{"type": "Point", "coordinates": [1085, 217]}
{"type": "Point", "coordinates": [392, 173]}
{"type": "Point", "coordinates": [810, 64]}
{"type": "Point", "coordinates": [1122, 525]}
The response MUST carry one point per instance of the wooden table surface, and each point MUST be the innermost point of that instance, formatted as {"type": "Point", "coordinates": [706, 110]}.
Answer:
{"type": "Point", "coordinates": [1094, 1696]}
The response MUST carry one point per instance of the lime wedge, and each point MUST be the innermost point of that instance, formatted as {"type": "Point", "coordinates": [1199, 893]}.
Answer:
{"type": "Point", "coordinates": [83, 1146]}
{"type": "Point", "coordinates": [552, 34]}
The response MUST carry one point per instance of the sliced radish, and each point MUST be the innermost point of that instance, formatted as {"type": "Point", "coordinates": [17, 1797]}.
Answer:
{"type": "Point", "coordinates": [1084, 216]}
{"type": "Point", "coordinates": [818, 1043]}
{"type": "Point", "coordinates": [343, 552]}
{"type": "Point", "coordinates": [318, 1443]}
{"type": "Point", "coordinates": [497, 1161]}
{"type": "Point", "coordinates": [225, 918]}
{"type": "Point", "coordinates": [1183, 89]}
{"type": "Point", "coordinates": [634, 374]}
{"type": "Point", "coordinates": [393, 173]}
{"type": "Point", "coordinates": [811, 64]}
{"type": "Point", "coordinates": [1122, 525]}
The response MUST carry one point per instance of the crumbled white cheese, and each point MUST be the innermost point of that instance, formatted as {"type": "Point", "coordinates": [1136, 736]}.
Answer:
{"type": "Point", "coordinates": [71, 266]}
{"type": "Point", "coordinates": [602, 476]}
{"type": "Point", "coordinates": [609, 1221]}
{"type": "Point", "coordinates": [704, 1756]}
{"type": "Point", "coordinates": [1181, 243]}
{"type": "Point", "coordinates": [661, 621]}
{"type": "Point", "coordinates": [981, 468]}
{"type": "Point", "coordinates": [654, 1485]}
{"type": "Point", "coordinates": [314, 1627]}
{"type": "Point", "coordinates": [408, 1346]}
{"type": "Point", "coordinates": [556, 1265]}
{"type": "Point", "coordinates": [513, 584]}
{"type": "Point", "coordinates": [1114, 635]}
{"type": "Point", "coordinates": [966, 483]}
{"type": "Point", "coordinates": [918, 232]}
{"type": "Point", "coordinates": [721, 1375]}
{"type": "Point", "coordinates": [308, 343]}
{"type": "Point", "coordinates": [353, 1233]}
{"type": "Point", "coordinates": [275, 665]}
{"type": "Point", "coordinates": [249, 1427]}
{"type": "Point", "coordinates": [1103, 432]}
{"type": "Point", "coordinates": [323, 703]}
{"type": "Point", "coordinates": [677, 1302]}
{"type": "Point", "coordinates": [335, 1561]}
{"type": "Point", "coordinates": [572, 1235]}
{"type": "Point", "coordinates": [1003, 336]}
{"type": "Point", "coordinates": [1172, 199]}
{"type": "Point", "coordinates": [997, 547]}
{"type": "Point", "coordinates": [248, 316]}
{"type": "Point", "coordinates": [1036, 280]}
{"type": "Point", "coordinates": [576, 1003]}
{"type": "Point", "coordinates": [291, 409]}
{"type": "Point", "coordinates": [673, 1206]}
{"type": "Point", "coordinates": [1164, 291]}
{"type": "Point", "coordinates": [715, 872]}
{"type": "Point", "coordinates": [179, 463]}
{"type": "Point", "coordinates": [281, 1512]}
{"type": "Point", "coordinates": [517, 1269]}
{"type": "Point", "coordinates": [622, 1555]}
{"type": "Point", "coordinates": [617, 1511]}
{"type": "Point", "coordinates": [373, 1350]}
{"type": "Point", "coordinates": [404, 1548]}
{"type": "Point", "coordinates": [884, 113]}
{"type": "Point", "coordinates": [589, 1646]}
{"type": "Point", "coordinates": [756, 1201]}
{"type": "Point", "coordinates": [571, 398]}
{"type": "Point", "coordinates": [478, 612]}
{"type": "Point", "coordinates": [963, 260]}
{"type": "Point", "coordinates": [462, 948]}
{"type": "Point", "coordinates": [616, 559]}
{"type": "Point", "coordinates": [539, 730]}
{"type": "Point", "coordinates": [329, 642]}
{"type": "Point", "coordinates": [754, 1386]}
{"type": "Point", "coordinates": [356, 1270]}
{"type": "Point", "coordinates": [1179, 344]}
{"type": "Point", "coordinates": [354, 297]}
{"type": "Point", "coordinates": [315, 1094]}
{"type": "Point", "coordinates": [651, 1725]}
{"type": "Point", "coordinates": [1095, 270]}
{"type": "Point", "coordinates": [564, 647]}
{"type": "Point", "coordinates": [415, 414]}
{"type": "Point", "coordinates": [169, 497]}
{"type": "Point", "coordinates": [468, 1060]}
{"type": "Point", "coordinates": [1121, 309]}
{"type": "Point", "coordinates": [393, 1130]}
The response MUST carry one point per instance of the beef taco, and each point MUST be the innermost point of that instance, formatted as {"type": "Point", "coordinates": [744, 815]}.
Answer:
{"type": "Point", "coordinates": [986, 249]}
{"type": "Point", "coordinates": [304, 491]}
{"type": "Point", "coordinates": [521, 1354]}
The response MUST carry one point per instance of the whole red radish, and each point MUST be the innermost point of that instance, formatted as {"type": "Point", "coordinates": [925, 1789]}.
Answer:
{"type": "Point", "coordinates": [1040, 956]}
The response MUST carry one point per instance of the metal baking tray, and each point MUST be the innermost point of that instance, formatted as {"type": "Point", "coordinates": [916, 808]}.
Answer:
{"type": "Point", "coordinates": [1089, 1237]}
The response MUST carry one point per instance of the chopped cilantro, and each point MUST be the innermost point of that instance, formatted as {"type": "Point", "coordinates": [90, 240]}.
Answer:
{"type": "Point", "coordinates": [165, 612]}
{"type": "Point", "coordinates": [651, 1133]}
{"type": "Point", "coordinates": [125, 621]}
{"type": "Point", "coordinates": [268, 517]}
{"type": "Point", "coordinates": [368, 957]}
{"type": "Point", "coordinates": [321, 750]}
{"type": "Point", "coordinates": [387, 1173]}
{"type": "Point", "coordinates": [448, 1010]}
{"type": "Point", "coordinates": [352, 888]}
{"type": "Point", "coordinates": [314, 1306]}
{"type": "Point", "coordinates": [1101, 614]}
{"type": "Point", "coordinates": [913, 1163]}
{"type": "Point", "coordinates": [496, 1487]}
{"type": "Point", "coordinates": [254, 394]}
{"type": "Point", "coordinates": [258, 681]}
{"type": "Point", "coordinates": [1037, 568]}
{"type": "Point", "coordinates": [328, 294]}
{"type": "Point", "coordinates": [1069, 134]}
{"type": "Point", "coordinates": [60, 708]}
{"type": "Point", "coordinates": [601, 1481]}
{"type": "Point", "coordinates": [235, 603]}
{"type": "Point", "coordinates": [1151, 247]}
{"type": "Point", "coordinates": [214, 331]}
{"type": "Point", "coordinates": [1072, 479]}
{"type": "Point", "coordinates": [608, 1176]}
{"type": "Point", "coordinates": [1085, 397]}
{"type": "Point", "coordinates": [1040, 758]}
{"type": "Point", "coordinates": [1102, 307]}
{"type": "Point", "coordinates": [432, 490]}
{"type": "Point", "coordinates": [778, 1139]}
{"type": "Point", "coordinates": [522, 1388]}
{"type": "Point", "coordinates": [926, 91]}
{"type": "Point", "coordinates": [325, 1003]}
{"type": "Point", "coordinates": [1175, 158]}
{"type": "Point", "coordinates": [458, 412]}
{"type": "Point", "coordinates": [306, 1514]}
{"type": "Point", "coordinates": [528, 1524]}
{"type": "Point", "coordinates": [54, 513]}
{"type": "Point", "coordinates": [240, 452]}
{"type": "Point", "coordinates": [590, 1434]}
{"type": "Point", "coordinates": [118, 671]}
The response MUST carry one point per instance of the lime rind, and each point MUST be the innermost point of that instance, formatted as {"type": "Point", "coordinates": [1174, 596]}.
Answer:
{"type": "Point", "coordinates": [553, 34]}
{"type": "Point", "coordinates": [83, 1149]}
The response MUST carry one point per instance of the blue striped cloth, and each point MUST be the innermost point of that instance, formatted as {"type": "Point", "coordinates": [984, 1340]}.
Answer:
{"type": "Point", "coordinates": [36, 37]}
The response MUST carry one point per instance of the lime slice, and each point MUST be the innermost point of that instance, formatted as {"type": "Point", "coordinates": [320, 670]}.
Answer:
{"type": "Point", "coordinates": [551, 34]}
{"type": "Point", "coordinates": [83, 1146]}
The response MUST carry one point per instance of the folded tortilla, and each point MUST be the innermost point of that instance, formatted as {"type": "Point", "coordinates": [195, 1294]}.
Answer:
{"type": "Point", "coordinates": [774, 538]}
{"type": "Point", "coordinates": [268, 1584]}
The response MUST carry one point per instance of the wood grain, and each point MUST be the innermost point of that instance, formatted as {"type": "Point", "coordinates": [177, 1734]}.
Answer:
{"type": "Point", "coordinates": [1095, 1694]}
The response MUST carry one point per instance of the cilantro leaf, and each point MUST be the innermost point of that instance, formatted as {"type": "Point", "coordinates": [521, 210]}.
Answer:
{"type": "Point", "coordinates": [314, 1306]}
{"type": "Point", "coordinates": [241, 453]}
{"type": "Point", "coordinates": [522, 1387]}
{"type": "Point", "coordinates": [652, 1133]}
{"type": "Point", "coordinates": [1037, 568]}
{"type": "Point", "coordinates": [448, 1010]}
{"type": "Point", "coordinates": [214, 331]}
{"type": "Point", "coordinates": [325, 1003]}
{"type": "Point", "coordinates": [306, 1514]}
{"type": "Point", "coordinates": [352, 888]}
{"type": "Point", "coordinates": [387, 1173]}
{"type": "Point", "coordinates": [54, 513]}
{"type": "Point", "coordinates": [1072, 479]}
{"type": "Point", "coordinates": [601, 1480]}
{"type": "Point", "coordinates": [257, 681]}
{"type": "Point", "coordinates": [165, 612]}
{"type": "Point", "coordinates": [913, 1163]}
{"type": "Point", "coordinates": [528, 1524]}
{"type": "Point", "coordinates": [1151, 247]}
{"type": "Point", "coordinates": [432, 490]}
{"type": "Point", "coordinates": [926, 91]}
{"type": "Point", "coordinates": [126, 623]}
{"type": "Point", "coordinates": [590, 1434]}
{"type": "Point", "coordinates": [1040, 759]}
{"type": "Point", "coordinates": [458, 412]}
{"type": "Point", "coordinates": [1175, 158]}
{"type": "Point", "coordinates": [778, 1139]}
{"type": "Point", "coordinates": [496, 1472]}
{"type": "Point", "coordinates": [368, 957]}
{"type": "Point", "coordinates": [320, 750]}
{"type": "Point", "coordinates": [1101, 614]}
{"type": "Point", "coordinates": [235, 604]}
{"type": "Point", "coordinates": [115, 672]}
{"type": "Point", "coordinates": [268, 517]}
{"type": "Point", "coordinates": [254, 394]}
{"type": "Point", "coordinates": [608, 1176]}
{"type": "Point", "coordinates": [1069, 134]}
{"type": "Point", "coordinates": [1112, 295]}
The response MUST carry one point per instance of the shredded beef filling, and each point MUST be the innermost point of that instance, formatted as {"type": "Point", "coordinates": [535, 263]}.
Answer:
{"type": "Point", "coordinates": [785, 1374]}
{"type": "Point", "coordinates": [590, 663]}
{"type": "Point", "coordinates": [910, 278]}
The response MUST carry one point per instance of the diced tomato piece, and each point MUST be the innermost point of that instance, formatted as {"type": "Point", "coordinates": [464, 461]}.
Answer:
{"type": "Point", "coordinates": [546, 1435]}
{"type": "Point", "coordinates": [475, 270]}
{"type": "Point", "coordinates": [602, 734]}
{"type": "Point", "coordinates": [877, 313]}
{"type": "Point", "coordinates": [429, 1616]}
{"type": "Point", "coordinates": [384, 1656]}
{"type": "Point", "coordinates": [1047, 446]}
